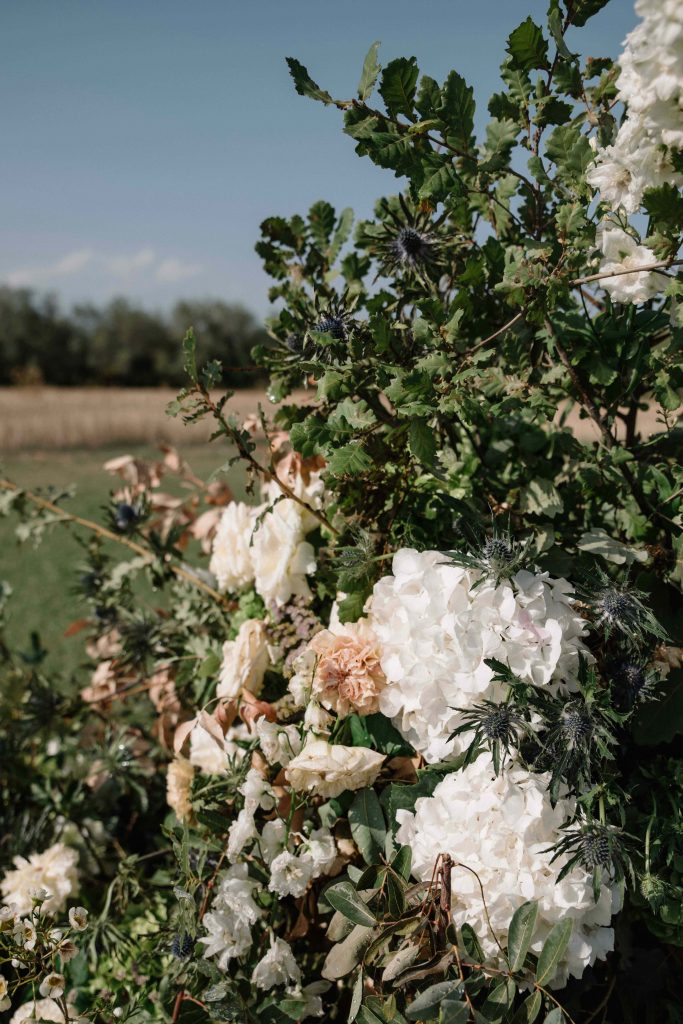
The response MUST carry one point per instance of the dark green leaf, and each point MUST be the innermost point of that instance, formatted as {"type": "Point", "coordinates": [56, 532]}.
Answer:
{"type": "Point", "coordinates": [402, 862]}
{"type": "Point", "coordinates": [520, 934]}
{"type": "Point", "coordinates": [454, 1012]}
{"type": "Point", "coordinates": [366, 1016]}
{"type": "Point", "coordinates": [553, 950]}
{"type": "Point", "coordinates": [422, 441]}
{"type": "Point", "coordinates": [397, 88]}
{"type": "Point", "coordinates": [528, 47]}
{"type": "Point", "coordinates": [367, 825]}
{"type": "Point", "coordinates": [349, 460]}
{"type": "Point", "coordinates": [321, 218]}
{"type": "Point", "coordinates": [304, 84]}
{"type": "Point", "coordinates": [582, 10]}
{"type": "Point", "coordinates": [356, 997]}
{"type": "Point", "coordinates": [471, 943]}
{"type": "Point", "coordinates": [344, 898]}
{"type": "Point", "coordinates": [426, 1005]}
{"type": "Point", "coordinates": [456, 110]}
{"type": "Point", "coordinates": [529, 1010]}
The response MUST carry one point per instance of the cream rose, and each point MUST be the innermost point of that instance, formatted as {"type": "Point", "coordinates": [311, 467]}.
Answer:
{"type": "Point", "coordinates": [245, 660]}
{"type": "Point", "coordinates": [328, 769]}
{"type": "Point", "coordinates": [179, 775]}
{"type": "Point", "coordinates": [282, 558]}
{"type": "Point", "coordinates": [231, 561]}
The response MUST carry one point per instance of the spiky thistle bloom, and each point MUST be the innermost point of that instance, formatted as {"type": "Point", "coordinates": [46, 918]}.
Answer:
{"type": "Point", "coordinates": [597, 847]}
{"type": "Point", "coordinates": [334, 318]}
{"type": "Point", "coordinates": [620, 610]}
{"type": "Point", "coordinates": [631, 682]}
{"type": "Point", "coordinates": [354, 561]}
{"type": "Point", "coordinates": [405, 240]}
{"type": "Point", "coordinates": [497, 557]}
{"type": "Point", "coordinates": [499, 727]}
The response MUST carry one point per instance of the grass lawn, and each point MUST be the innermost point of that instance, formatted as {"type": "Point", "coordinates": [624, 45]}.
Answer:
{"type": "Point", "coordinates": [43, 579]}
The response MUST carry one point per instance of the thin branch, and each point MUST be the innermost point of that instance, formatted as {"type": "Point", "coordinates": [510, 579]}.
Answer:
{"type": "Point", "coordinates": [102, 531]}
{"type": "Point", "coordinates": [659, 265]}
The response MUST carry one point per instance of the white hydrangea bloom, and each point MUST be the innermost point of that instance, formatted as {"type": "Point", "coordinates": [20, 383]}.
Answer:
{"type": "Point", "coordinates": [622, 252]}
{"type": "Point", "coordinates": [279, 743]}
{"type": "Point", "coordinates": [232, 916]}
{"type": "Point", "coordinates": [54, 870]}
{"type": "Point", "coordinates": [438, 623]}
{"type": "Point", "coordinates": [509, 825]}
{"type": "Point", "coordinates": [277, 967]}
{"type": "Point", "coordinates": [231, 561]}
{"type": "Point", "coordinates": [245, 660]}
{"type": "Point", "coordinates": [289, 874]}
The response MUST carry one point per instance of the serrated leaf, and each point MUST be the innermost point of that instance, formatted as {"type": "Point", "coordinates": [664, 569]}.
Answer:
{"type": "Point", "coordinates": [541, 497]}
{"type": "Point", "coordinates": [321, 220]}
{"type": "Point", "coordinates": [527, 46]}
{"type": "Point", "coordinates": [349, 460]}
{"type": "Point", "coordinates": [189, 356]}
{"type": "Point", "coordinates": [501, 136]}
{"type": "Point", "coordinates": [304, 84]}
{"type": "Point", "coordinates": [344, 898]}
{"type": "Point", "coordinates": [368, 827]}
{"type": "Point", "coordinates": [422, 441]}
{"type": "Point", "coordinates": [520, 934]}
{"type": "Point", "coordinates": [456, 111]}
{"type": "Point", "coordinates": [398, 85]}
{"type": "Point", "coordinates": [553, 950]}
{"type": "Point", "coordinates": [370, 73]}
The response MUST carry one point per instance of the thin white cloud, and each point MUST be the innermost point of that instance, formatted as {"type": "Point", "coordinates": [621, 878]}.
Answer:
{"type": "Point", "coordinates": [171, 270]}
{"type": "Point", "coordinates": [144, 265]}
{"type": "Point", "coordinates": [124, 266]}
{"type": "Point", "coordinates": [67, 266]}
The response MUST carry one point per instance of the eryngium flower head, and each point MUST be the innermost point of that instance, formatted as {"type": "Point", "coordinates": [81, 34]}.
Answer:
{"type": "Point", "coordinates": [125, 517]}
{"type": "Point", "coordinates": [182, 945]}
{"type": "Point", "coordinates": [597, 847]}
{"type": "Point", "coordinates": [497, 557]}
{"type": "Point", "coordinates": [621, 610]}
{"type": "Point", "coordinates": [576, 725]}
{"type": "Point", "coordinates": [654, 890]}
{"type": "Point", "coordinates": [332, 324]}
{"type": "Point", "coordinates": [630, 682]}
{"type": "Point", "coordinates": [411, 247]}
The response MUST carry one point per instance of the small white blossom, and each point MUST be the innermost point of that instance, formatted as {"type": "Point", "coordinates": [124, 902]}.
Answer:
{"type": "Point", "coordinates": [233, 914]}
{"type": "Point", "coordinates": [621, 253]}
{"type": "Point", "coordinates": [273, 839]}
{"type": "Point", "coordinates": [242, 830]}
{"type": "Point", "coordinates": [78, 918]}
{"type": "Point", "coordinates": [52, 985]}
{"type": "Point", "coordinates": [290, 875]}
{"type": "Point", "coordinates": [25, 934]}
{"type": "Point", "coordinates": [321, 848]}
{"type": "Point", "coordinates": [277, 967]}
{"type": "Point", "coordinates": [279, 743]}
{"type": "Point", "coordinates": [257, 791]}
{"type": "Point", "coordinates": [5, 1002]}
{"type": "Point", "coordinates": [67, 950]}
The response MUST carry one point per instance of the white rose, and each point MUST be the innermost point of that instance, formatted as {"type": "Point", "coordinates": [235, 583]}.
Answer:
{"type": "Point", "coordinates": [282, 558]}
{"type": "Point", "coordinates": [327, 769]}
{"type": "Point", "coordinates": [54, 871]}
{"type": "Point", "coordinates": [245, 660]}
{"type": "Point", "coordinates": [231, 561]}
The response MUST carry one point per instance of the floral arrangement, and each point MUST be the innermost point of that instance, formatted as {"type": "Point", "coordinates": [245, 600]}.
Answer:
{"type": "Point", "coordinates": [397, 737]}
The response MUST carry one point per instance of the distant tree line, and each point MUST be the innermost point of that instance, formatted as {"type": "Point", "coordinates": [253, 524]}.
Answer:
{"type": "Point", "coordinates": [120, 343]}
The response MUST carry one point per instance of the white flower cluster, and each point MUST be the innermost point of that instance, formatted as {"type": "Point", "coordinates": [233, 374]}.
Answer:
{"type": "Point", "coordinates": [437, 623]}
{"type": "Point", "coordinates": [501, 828]}
{"type": "Point", "coordinates": [233, 914]}
{"type": "Point", "coordinates": [52, 874]}
{"type": "Point", "coordinates": [268, 549]}
{"type": "Point", "coordinates": [650, 85]}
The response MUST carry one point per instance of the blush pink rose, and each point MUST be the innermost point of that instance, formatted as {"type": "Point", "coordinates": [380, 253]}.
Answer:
{"type": "Point", "coordinates": [347, 676]}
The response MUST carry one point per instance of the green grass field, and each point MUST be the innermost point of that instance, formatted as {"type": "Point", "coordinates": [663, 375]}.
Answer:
{"type": "Point", "coordinates": [43, 579]}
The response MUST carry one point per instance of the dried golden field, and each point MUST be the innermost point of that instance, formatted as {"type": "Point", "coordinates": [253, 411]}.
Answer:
{"type": "Point", "coordinates": [51, 419]}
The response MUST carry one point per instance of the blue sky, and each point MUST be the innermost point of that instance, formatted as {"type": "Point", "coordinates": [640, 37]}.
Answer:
{"type": "Point", "coordinates": [145, 140]}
